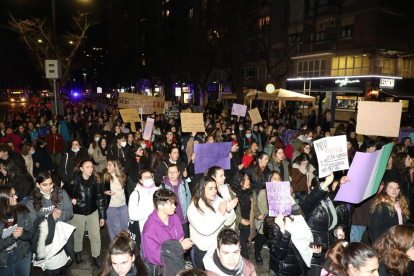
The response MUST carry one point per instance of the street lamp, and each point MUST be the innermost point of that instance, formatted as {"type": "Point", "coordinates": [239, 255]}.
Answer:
{"type": "Point", "coordinates": [270, 88]}
{"type": "Point", "coordinates": [71, 42]}
{"type": "Point", "coordinates": [39, 40]}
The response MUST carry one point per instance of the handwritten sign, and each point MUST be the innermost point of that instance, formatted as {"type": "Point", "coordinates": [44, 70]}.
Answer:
{"type": "Point", "coordinates": [278, 197]}
{"type": "Point", "coordinates": [130, 101]}
{"type": "Point", "coordinates": [287, 135]}
{"type": "Point", "coordinates": [238, 110]}
{"type": "Point", "coordinates": [332, 154]}
{"type": "Point", "coordinates": [255, 116]}
{"type": "Point", "coordinates": [381, 119]}
{"type": "Point", "coordinates": [192, 122]}
{"type": "Point", "coordinates": [211, 154]}
{"type": "Point", "coordinates": [148, 129]}
{"type": "Point", "coordinates": [406, 132]}
{"type": "Point", "coordinates": [130, 115]}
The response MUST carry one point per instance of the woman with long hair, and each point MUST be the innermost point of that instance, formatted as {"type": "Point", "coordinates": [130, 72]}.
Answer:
{"type": "Point", "coordinates": [94, 144]}
{"type": "Point", "coordinates": [395, 250]}
{"type": "Point", "coordinates": [302, 175]}
{"type": "Point", "coordinates": [86, 194]}
{"type": "Point", "coordinates": [250, 154]}
{"type": "Point", "coordinates": [27, 152]}
{"type": "Point", "coordinates": [99, 155]}
{"type": "Point", "coordinates": [49, 199]}
{"type": "Point", "coordinates": [123, 258]}
{"type": "Point", "coordinates": [217, 173]}
{"type": "Point", "coordinates": [17, 231]}
{"type": "Point", "coordinates": [207, 214]}
{"type": "Point", "coordinates": [114, 188]}
{"type": "Point", "coordinates": [18, 178]}
{"type": "Point", "coordinates": [346, 259]}
{"type": "Point", "coordinates": [258, 171]}
{"type": "Point", "coordinates": [240, 188]}
{"type": "Point", "coordinates": [278, 163]}
{"type": "Point", "coordinates": [67, 162]}
{"type": "Point", "coordinates": [389, 208]}
{"type": "Point", "coordinates": [158, 155]}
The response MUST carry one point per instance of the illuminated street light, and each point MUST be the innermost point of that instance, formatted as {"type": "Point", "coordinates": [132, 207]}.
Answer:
{"type": "Point", "coordinates": [39, 40]}
{"type": "Point", "coordinates": [270, 88]}
{"type": "Point", "coordinates": [71, 42]}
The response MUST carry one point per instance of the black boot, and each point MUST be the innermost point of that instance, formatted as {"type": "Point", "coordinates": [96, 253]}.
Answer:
{"type": "Point", "coordinates": [96, 263]}
{"type": "Point", "coordinates": [258, 257]}
{"type": "Point", "coordinates": [78, 257]}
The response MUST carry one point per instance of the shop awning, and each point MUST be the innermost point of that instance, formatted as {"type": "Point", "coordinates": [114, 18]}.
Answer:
{"type": "Point", "coordinates": [334, 89]}
{"type": "Point", "coordinates": [281, 95]}
{"type": "Point", "coordinates": [398, 93]}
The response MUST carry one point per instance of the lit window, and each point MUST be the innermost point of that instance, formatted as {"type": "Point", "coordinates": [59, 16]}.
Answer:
{"type": "Point", "coordinates": [406, 68]}
{"type": "Point", "coordinates": [263, 22]}
{"type": "Point", "coordinates": [388, 66]}
{"type": "Point", "coordinates": [350, 66]}
{"type": "Point", "coordinates": [311, 68]}
{"type": "Point", "coordinates": [191, 13]}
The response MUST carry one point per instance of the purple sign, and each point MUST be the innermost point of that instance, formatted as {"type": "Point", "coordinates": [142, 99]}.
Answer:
{"type": "Point", "coordinates": [287, 135]}
{"type": "Point", "coordinates": [239, 110]}
{"type": "Point", "coordinates": [279, 199]}
{"type": "Point", "coordinates": [406, 132]}
{"type": "Point", "coordinates": [211, 154]}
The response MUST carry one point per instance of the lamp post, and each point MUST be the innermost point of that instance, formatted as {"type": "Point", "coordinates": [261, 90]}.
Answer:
{"type": "Point", "coordinates": [270, 88]}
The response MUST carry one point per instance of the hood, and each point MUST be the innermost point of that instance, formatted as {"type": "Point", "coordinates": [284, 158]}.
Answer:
{"type": "Point", "coordinates": [209, 262]}
{"type": "Point", "coordinates": [170, 231]}
{"type": "Point", "coordinates": [167, 182]}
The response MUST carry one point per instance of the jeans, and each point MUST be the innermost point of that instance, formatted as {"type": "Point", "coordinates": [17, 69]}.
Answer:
{"type": "Point", "coordinates": [357, 232]}
{"type": "Point", "coordinates": [17, 266]}
{"type": "Point", "coordinates": [244, 238]}
{"type": "Point", "coordinates": [117, 220]}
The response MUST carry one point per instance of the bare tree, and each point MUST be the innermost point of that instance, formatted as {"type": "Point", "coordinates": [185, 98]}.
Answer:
{"type": "Point", "coordinates": [39, 41]}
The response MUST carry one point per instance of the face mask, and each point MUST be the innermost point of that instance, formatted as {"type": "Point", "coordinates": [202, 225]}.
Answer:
{"type": "Point", "coordinates": [309, 138]}
{"type": "Point", "coordinates": [305, 128]}
{"type": "Point", "coordinates": [273, 143]}
{"type": "Point", "coordinates": [103, 146]}
{"type": "Point", "coordinates": [148, 182]}
{"type": "Point", "coordinates": [96, 139]}
{"type": "Point", "coordinates": [31, 153]}
{"type": "Point", "coordinates": [143, 146]}
{"type": "Point", "coordinates": [248, 135]}
{"type": "Point", "coordinates": [123, 144]}
{"type": "Point", "coordinates": [75, 150]}
{"type": "Point", "coordinates": [43, 193]}
{"type": "Point", "coordinates": [241, 129]}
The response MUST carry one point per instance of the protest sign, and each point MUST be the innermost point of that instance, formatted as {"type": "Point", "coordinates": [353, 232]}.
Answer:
{"type": "Point", "coordinates": [130, 101]}
{"type": "Point", "coordinates": [168, 104]}
{"type": "Point", "coordinates": [287, 135]}
{"type": "Point", "coordinates": [372, 122]}
{"type": "Point", "coordinates": [192, 122]}
{"type": "Point", "coordinates": [406, 132]}
{"type": "Point", "coordinates": [332, 154]}
{"type": "Point", "coordinates": [159, 105]}
{"type": "Point", "coordinates": [365, 175]}
{"type": "Point", "coordinates": [255, 116]}
{"type": "Point", "coordinates": [238, 110]}
{"type": "Point", "coordinates": [130, 115]}
{"type": "Point", "coordinates": [187, 110]}
{"type": "Point", "coordinates": [148, 129]}
{"type": "Point", "coordinates": [279, 199]}
{"type": "Point", "coordinates": [211, 154]}
{"type": "Point", "coordinates": [125, 98]}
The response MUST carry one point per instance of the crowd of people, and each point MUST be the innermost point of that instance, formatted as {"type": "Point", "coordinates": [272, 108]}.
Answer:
{"type": "Point", "coordinates": [64, 177]}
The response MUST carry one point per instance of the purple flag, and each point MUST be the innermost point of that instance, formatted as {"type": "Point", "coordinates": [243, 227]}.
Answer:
{"type": "Point", "coordinates": [211, 154]}
{"type": "Point", "coordinates": [279, 199]}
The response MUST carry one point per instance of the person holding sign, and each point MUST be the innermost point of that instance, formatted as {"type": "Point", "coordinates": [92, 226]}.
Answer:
{"type": "Point", "coordinates": [278, 163]}
{"type": "Point", "coordinates": [302, 175]}
{"type": "Point", "coordinates": [258, 171]}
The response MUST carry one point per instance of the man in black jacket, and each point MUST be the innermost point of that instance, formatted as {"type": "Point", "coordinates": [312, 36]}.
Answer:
{"type": "Point", "coordinates": [7, 153]}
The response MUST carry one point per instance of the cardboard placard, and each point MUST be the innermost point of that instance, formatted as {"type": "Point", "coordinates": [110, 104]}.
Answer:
{"type": "Point", "coordinates": [130, 115]}
{"type": "Point", "coordinates": [279, 199]}
{"type": "Point", "coordinates": [148, 129]}
{"type": "Point", "coordinates": [128, 100]}
{"type": "Point", "coordinates": [381, 119]}
{"type": "Point", "coordinates": [238, 110]}
{"type": "Point", "coordinates": [187, 110]}
{"type": "Point", "coordinates": [332, 154]}
{"type": "Point", "coordinates": [192, 122]}
{"type": "Point", "coordinates": [255, 116]}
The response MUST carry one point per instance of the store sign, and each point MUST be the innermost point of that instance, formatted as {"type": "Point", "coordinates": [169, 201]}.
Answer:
{"type": "Point", "coordinates": [178, 91]}
{"type": "Point", "coordinates": [343, 82]}
{"type": "Point", "coordinates": [389, 83]}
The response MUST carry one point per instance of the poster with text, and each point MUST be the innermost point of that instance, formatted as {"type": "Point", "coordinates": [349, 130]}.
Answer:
{"type": "Point", "coordinates": [332, 154]}
{"type": "Point", "coordinates": [279, 199]}
{"type": "Point", "coordinates": [211, 154]}
{"type": "Point", "coordinates": [238, 110]}
{"type": "Point", "coordinates": [192, 122]}
{"type": "Point", "coordinates": [130, 115]}
{"type": "Point", "coordinates": [255, 116]}
{"type": "Point", "coordinates": [148, 129]}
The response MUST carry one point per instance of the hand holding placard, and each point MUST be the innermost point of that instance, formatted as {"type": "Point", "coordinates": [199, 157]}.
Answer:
{"type": "Point", "coordinates": [255, 116]}
{"type": "Point", "coordinates": [192, 122]}
{"type": "Point", "coordinates": [279, 199]}
{"type": "Point", "coordinates": [332, 154]}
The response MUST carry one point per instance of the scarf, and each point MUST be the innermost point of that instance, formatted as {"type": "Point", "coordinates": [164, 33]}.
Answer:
{"type": "Point", "coordinates": [328, 204]}
{"type": "Point", "coordinates": [301, 236]}
{"type": "Point", "coordinates": [237, 271]}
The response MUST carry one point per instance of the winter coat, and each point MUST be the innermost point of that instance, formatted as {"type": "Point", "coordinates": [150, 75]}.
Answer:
{"type": "Point", "coordinates": [204, 227]}
{"type": "Point", "coordinates": [99, 158]}
{"type": "Point", "coordinates": [115, 152]}
{"type": "Point", "coordinates": [17, 141]}
{"type": "Point", "coordinates": [17, 158]}
{"type": "Point", "coordinates": [155, 160]}
{"type": "Point", "coordinates": [155, 233]}
{"type": "Point", "coordinates": [55, 143]}
{"type": "Point", "coordinates": [237, 210]}
{"type": "Point", "coordinates": [301, 177]}
{"type": "Point", "coordinates": [140, 204]}
{"type": "Point", "coordinates": [28, 160]}
{"type": "Point", "coordinates": [67, 164]}
{"type": "Point", "coordinates": [162, 170]}
{"type": "Point", "coordinates": [257, 182]}
{"type": "Point", "coordinates": [361, 213]}
{"type": "Point", "coordinates": [213, 270]}
{"type": "Point", "coordinates": [285, 259]}
{"type": "Point", "coordinates": [183, 196]}
{"type": "Point", "coordinates": [65, 206]}
{"type": "Point", "coordinates": [42, 157]}
{"type": "Point", "coordinates": [381, 221]}
{"type": "Point", "coordinates": [274, 167]}
{"type": "Point", "coordinates": [261, 208]}
{"type": "Point", "coordinates": [23, 245]}
{"type": "Point", "coordinates": [64, 130]}
{"type": "Point", "coordinates": [88, 199]}
{"type": "Point", "coordinates": [132, 167]}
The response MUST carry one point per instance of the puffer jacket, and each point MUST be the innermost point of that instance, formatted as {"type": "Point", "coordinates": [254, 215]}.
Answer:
{"type": "Point", "coordinates": [88, 199]}
{"type": "Point", "coordinates": [285, 259]}
{"type": "Point", "coordinates": [257, 182]}
{"type": "Point", "coordinates": [318, 219]}
{"type": "Point", "coordinates": [23, 245]}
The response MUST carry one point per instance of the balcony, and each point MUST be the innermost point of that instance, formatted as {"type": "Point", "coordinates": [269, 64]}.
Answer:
{"type": "Point", "coordinates": [316, 47]}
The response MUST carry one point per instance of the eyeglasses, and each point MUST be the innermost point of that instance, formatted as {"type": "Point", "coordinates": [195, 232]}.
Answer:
{"type": "Point", "coordinates": [147, 177]}
{"type": "Point", "coordinates": [172, 172]}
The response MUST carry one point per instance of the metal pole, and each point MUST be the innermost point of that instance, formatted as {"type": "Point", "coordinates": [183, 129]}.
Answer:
{"type": "Point", "coordinates": [56, 99]}
{"type": "Point", "coordinates": [268, 112]}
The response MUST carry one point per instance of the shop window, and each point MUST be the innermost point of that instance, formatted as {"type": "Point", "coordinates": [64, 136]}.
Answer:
{"type": "Point", "coordinates": [388, 67]}
{"type": "Point", "coordinates": [350, 66]}
{"type": "Point", "coordinates": [263, 75]}
{"type": "Point", "coordinates": [249, 73]}
{"type": "Point", "coordinates": [311, 68]}
{"type": "Point", "coordinates": [406, 68]}
{"type": "Point", "coordinates": [405, 105]}
{"type": "Point", "coordinates": [348, 31]}
{"type": "Point", "coordinates": [263, 22]}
